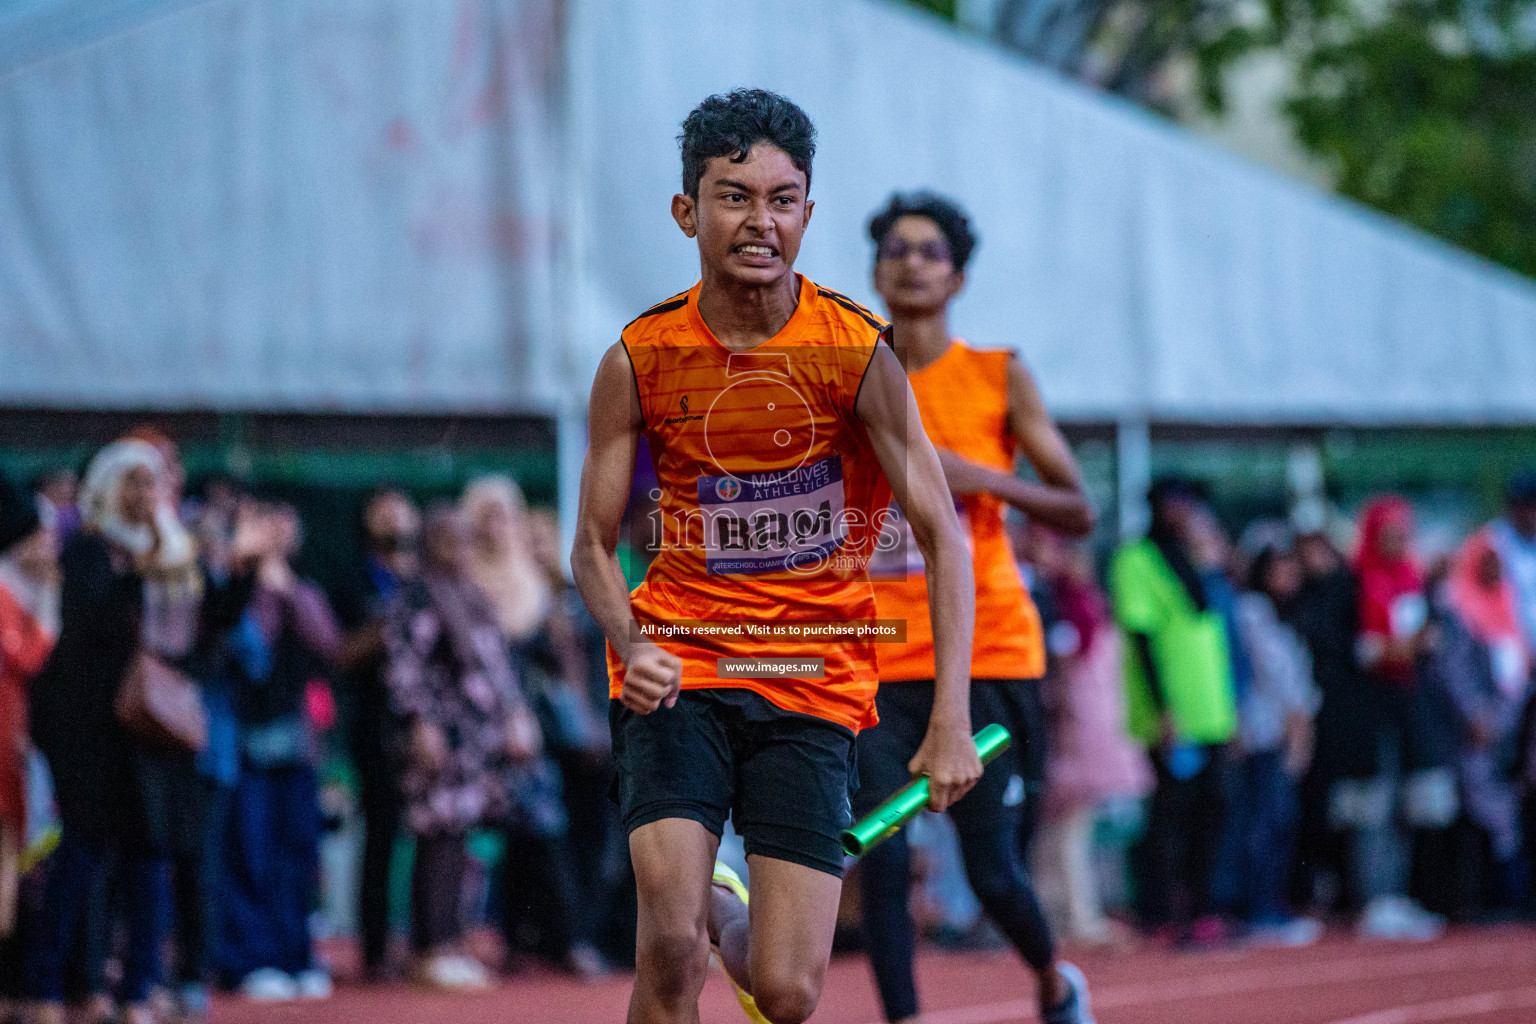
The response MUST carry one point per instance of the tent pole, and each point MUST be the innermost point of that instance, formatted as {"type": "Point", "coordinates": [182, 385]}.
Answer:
{"type": "Point", "coordinates": [1133, 475]}
{"type": "Point", "coordinates": [571, 414]}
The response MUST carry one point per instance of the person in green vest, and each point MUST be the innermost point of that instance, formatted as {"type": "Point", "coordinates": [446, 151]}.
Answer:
{"type": "Point", "coordinates": [1180, 704]}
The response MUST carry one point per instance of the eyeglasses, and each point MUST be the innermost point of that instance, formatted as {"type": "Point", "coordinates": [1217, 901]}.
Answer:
{"type": "Point", "coordinates": [933, 251]}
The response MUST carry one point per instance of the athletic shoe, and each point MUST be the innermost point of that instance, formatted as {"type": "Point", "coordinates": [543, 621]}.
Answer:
{"type": "Point", "coordinates": [729, 879]}
{"type": "Point", "coordinates": [268, 985]}
{"type": "Point", "coordinates": [314, 984]}
{"type": "Point", "coordinates": [1075, 1009]}
{"type": "Point", "coordinates": [1292, 933]}
{"type": "Point", "coordinates": [448, 972]}
{"type": "Point", "coordinates": [474, 972]}
{"type": "Point", "coordinates": [192, 1003]}
{"type": "Point", "coordinates": [1399, 919]}
{"type": "Point", "coordinates": [585, 963]}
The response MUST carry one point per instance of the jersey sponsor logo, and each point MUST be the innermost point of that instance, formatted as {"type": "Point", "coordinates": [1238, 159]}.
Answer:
{"type": "Point", "coordinates": [686, 417]}
{"type": "Point", "coordinates": [790, 520]}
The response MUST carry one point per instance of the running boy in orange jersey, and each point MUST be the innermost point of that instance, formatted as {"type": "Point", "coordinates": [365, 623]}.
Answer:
{"type": "Point", "coordinates": [779, 427]}
{"type": "Point", "coordinates": [981, 409]}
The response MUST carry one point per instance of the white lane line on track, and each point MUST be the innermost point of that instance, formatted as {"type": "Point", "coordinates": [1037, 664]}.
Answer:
{"type": "Point", "coordinates": [1450, 1009]}
{"type": "Point", "coordinates": [1253, 979]}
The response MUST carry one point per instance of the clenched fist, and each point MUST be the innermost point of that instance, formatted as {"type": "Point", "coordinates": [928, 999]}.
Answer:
{"type": "Point", "coordinates": [949, 761]}
{"type": "Point", "coordinates": [652, 678]}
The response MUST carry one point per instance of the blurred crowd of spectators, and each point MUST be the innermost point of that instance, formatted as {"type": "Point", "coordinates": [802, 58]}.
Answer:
{"type": "Point", "coordinates": [1318, 735]}
{"type": "Point", "coordinates": [1299, 734]}
{"type": "Point", "coordinates": [455, 673]}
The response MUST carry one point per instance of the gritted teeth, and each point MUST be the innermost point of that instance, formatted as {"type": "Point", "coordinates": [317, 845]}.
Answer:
{"type": "Point", "coordinates": [757, 250]}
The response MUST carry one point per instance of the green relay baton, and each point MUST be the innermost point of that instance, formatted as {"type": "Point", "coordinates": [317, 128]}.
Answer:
{"type": "Point", "coordinates": [902, 807]}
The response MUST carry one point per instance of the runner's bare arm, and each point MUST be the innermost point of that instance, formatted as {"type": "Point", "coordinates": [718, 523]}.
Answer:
{"type": "Point", "coordinates": [1058, 500]}
{"type": "Point", "coordinates": [889, 412]}
{"type": "Point", "coordinates": [652, 677]}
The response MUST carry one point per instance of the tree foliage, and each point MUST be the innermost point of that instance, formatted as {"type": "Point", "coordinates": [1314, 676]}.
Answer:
{"type": "Point", "coordinates": [1423, 109]}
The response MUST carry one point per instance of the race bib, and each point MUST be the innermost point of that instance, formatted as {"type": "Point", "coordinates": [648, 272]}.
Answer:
{"type": "Point", "coordinates": [773, 522]}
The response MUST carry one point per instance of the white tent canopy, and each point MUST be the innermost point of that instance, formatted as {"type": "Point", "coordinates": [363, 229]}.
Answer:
{"type": "Point", "coordinates": [1143, 273]}
{"type": "Point", "coordinates": [280, 204]}
{"type": "Point", "coordinates": [409, 205]}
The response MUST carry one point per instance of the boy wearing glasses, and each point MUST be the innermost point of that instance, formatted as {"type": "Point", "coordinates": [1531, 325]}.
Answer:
{"type": "Point", "coordinates": [981, 409]}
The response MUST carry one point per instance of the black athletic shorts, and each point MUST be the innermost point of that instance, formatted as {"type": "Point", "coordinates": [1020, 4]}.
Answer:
{"type": "Point", "coordinates": [885, 750]}
{"type": "Point", "coordinates": [784, 778]}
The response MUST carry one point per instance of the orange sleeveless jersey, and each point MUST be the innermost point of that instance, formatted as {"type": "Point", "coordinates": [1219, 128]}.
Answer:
{"type": "Point", "coordinates": [963, 399]}
{"type": "Point", "coordinates": [771, 495]}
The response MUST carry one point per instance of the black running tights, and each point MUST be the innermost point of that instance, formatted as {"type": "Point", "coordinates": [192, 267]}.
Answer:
{"type": "Point", "coordinates": [1001, 884]}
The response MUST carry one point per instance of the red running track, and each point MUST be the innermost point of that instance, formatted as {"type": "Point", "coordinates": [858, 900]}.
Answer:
{"type": "Point", "coordinates": [1484, 976]}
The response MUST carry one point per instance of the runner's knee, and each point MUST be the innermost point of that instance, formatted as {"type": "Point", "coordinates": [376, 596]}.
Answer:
{"type": "Point", "coordinates": [675, 958]}
{"type": "Point", "coordinates": [786, 999]}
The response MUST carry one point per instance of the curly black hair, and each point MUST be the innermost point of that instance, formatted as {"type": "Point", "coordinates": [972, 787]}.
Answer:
{"type": "Point", "coordinates": [951, 220]}
{"type": "Point", "coordinates": [732, 123]}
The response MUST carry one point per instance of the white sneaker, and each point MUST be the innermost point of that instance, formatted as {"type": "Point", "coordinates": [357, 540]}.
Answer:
{"type": "Point", "coordinates": [1399, 919]}
{"type": "Point", "coordinates": [449, 972]}
{"type": "Point", "coordinates": [1076, 1008]}
{"type": "Point", "coordinates": [269, 985]}
{"type": "Point", "coordinates": [1297, 932]}
{"type": "Point", "coordinates": [313, 984]}
{"type": "Point", "coordinates": [473, 973]}
{"type": "Point", "coordinates": [1425, 923]}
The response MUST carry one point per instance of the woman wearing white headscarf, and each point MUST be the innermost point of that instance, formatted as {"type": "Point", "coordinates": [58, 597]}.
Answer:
{"type": "Point", "coordinates": [502, 563]}
{"type": "Point", "coordinates": [541, 885]}
{"type": "Point", "coordinates": [130, 582]}
{"type": "Point", "coordinates": [73, 724]}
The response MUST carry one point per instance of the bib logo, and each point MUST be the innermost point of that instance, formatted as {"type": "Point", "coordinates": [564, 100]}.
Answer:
{"type": "Point", "coordinates": [684, 404]}
{"type": "Point", "coordinates": [790, 521]}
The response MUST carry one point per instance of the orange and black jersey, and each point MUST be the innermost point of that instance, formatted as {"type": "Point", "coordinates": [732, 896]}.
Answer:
{"type": "Point", "coordinates": [771, 494]}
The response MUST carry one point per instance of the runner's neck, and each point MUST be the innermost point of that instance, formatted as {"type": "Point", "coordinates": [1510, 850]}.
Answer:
{"type": "Point", "coordinates": [920, 341]}
{"type": "Point", "coordinates": [742, 317]}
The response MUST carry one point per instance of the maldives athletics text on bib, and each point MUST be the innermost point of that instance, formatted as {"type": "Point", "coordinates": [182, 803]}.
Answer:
{"type": "Point", "coordinates": [773, 522]}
